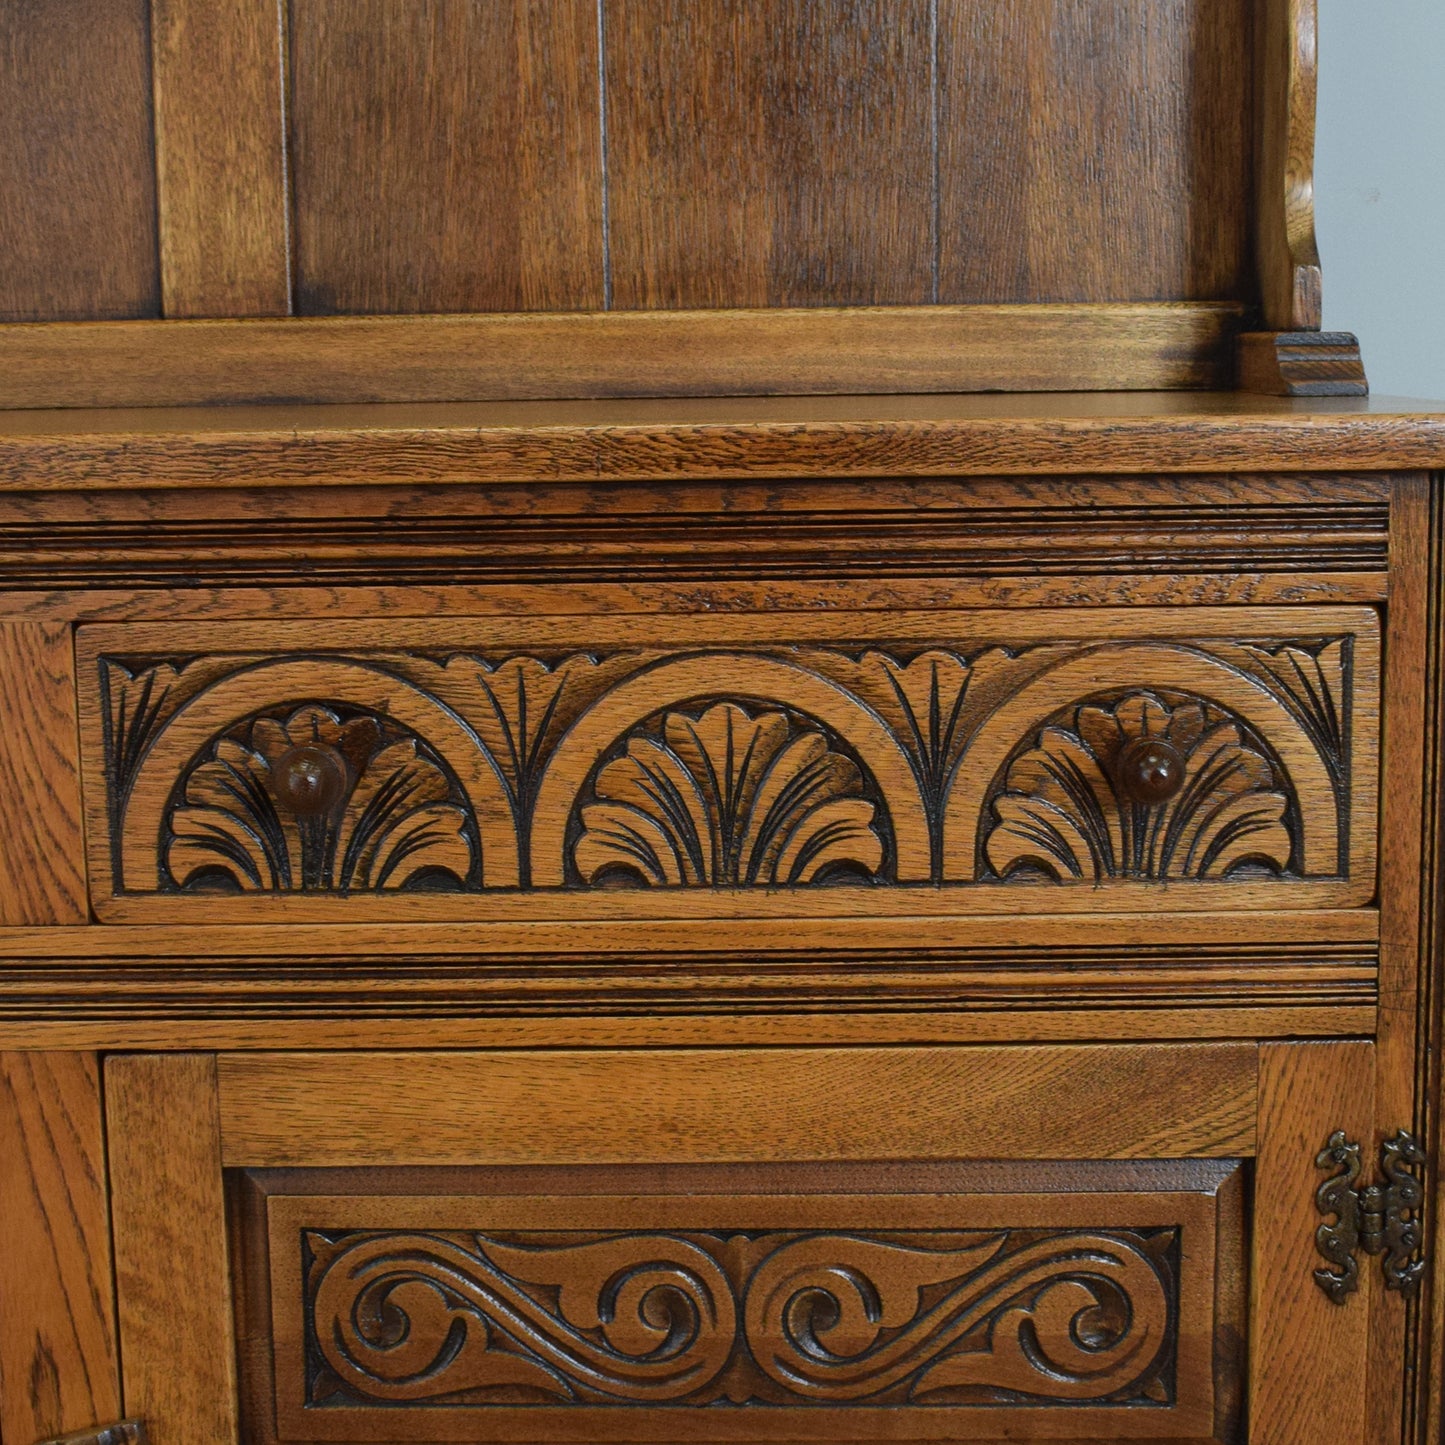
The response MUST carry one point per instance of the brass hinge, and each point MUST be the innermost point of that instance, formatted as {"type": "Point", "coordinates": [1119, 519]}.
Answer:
{"type": "Point", "coordinates": [1381, 1219]}
{"type": "Point", "coordinates": [127, 1432]}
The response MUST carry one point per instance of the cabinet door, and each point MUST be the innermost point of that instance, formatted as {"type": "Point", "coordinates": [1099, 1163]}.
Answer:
{"type": "Point", "coordinates": [1094, 1242]}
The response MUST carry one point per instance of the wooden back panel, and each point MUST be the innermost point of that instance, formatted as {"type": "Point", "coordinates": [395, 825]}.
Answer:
{"type": "Point", "coordinates": [659, 198]}
{"type": "Point", "coordinates": [443, 156]}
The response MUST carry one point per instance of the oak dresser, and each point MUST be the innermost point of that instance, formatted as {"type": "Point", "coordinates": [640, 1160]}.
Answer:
{"type": "Point", "coordinates": [718, 723]}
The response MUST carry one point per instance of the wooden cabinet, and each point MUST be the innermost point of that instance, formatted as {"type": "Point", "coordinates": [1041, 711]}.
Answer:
{"type": "Point", "coordinates": [718, 723]}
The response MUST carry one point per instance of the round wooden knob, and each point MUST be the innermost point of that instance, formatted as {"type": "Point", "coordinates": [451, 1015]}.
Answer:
{"type": "Point", "coordinates": [310, 779]}
{"type": "Point", "coordinates": [1150, 771]}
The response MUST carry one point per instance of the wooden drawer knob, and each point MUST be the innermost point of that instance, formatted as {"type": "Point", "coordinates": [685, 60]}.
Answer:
{"type": "Point", "coordinates": [1150, 771]}
{"type": "Point", "coordinates": [310, 779]}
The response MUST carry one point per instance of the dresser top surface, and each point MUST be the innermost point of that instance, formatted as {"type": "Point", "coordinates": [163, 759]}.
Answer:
{"type": "Point", "coordinates": [650, 440]}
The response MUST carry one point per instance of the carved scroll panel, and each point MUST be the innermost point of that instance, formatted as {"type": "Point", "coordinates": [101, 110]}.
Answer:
{"type": "Point", "coordinates": [985, 758]}
{"type": "Point", "coordinates": [626, 1318]}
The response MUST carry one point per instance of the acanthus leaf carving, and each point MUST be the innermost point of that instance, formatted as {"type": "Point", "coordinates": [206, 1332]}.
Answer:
{"type": "Point", "coordinates": [1062, 812]}
{"type": "Point", "coordinates": [728, 798]}
{"type": "Point", "coordinates": [398, 822]}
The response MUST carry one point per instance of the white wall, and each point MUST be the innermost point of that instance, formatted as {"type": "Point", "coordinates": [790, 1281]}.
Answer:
{"type": "Point", "coordinates": [1380, 186]}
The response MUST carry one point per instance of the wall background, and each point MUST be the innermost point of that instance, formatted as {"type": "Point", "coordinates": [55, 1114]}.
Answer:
{"type": "Point", "coordinates": [1380, 186]}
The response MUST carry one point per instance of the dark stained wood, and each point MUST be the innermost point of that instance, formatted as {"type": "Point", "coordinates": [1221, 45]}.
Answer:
{"type": "Point", "coordinates": [172, 1270]}
{"type": "Point", "coordinates": [58, 1362]}
{"type": "Point", "coordinates": [774, 153]}
{"type": "Point", "coordinates": [221, 158]}
{"type": "Point", "coordinates": [446, 155]}
{"type": "Point", "coordinates": [517, 444]}
{"type": "Point", "coordinates": [77, 165]}
{"type": "Point", "coordinates": [1069, 130]}
{"type": "Point", "coordinates": [41, 852]}
{"type": "Point", "coordinates": [1302, 363]}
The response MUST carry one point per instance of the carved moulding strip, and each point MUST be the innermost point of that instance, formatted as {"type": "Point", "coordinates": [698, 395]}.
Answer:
{"type": "Point", "coordinates": [770, 767]}
{"type": "Point", "coordinates": [781, 1318]}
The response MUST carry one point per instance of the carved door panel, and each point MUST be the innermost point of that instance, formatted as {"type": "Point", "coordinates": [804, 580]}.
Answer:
{"type": "Point", "coordinates": [860, 763]}
{"type": "Point", "coordinates": [1094, 1242]}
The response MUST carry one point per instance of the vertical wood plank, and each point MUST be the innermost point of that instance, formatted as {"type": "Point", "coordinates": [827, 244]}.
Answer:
{"type": "Point", "coordinates": [172, 1267]}
{"type": "Point", "coordinates": [57, 1316]}
{"type": "Point", "coordinates": [1306, 1091]}
{"type": "Point", "coordinates": [220, 158]}
{"type": "Point", "coordinates": [1407, 773]}
{"type": "Point", "coordinates": [447, 156]}
{"type": "Point", "coordinates": [1287, 69]}
{"type": "Point", "coordinates": [42, 849]}
{"type": "Point", "coordinates": [1068, 134]}
{"type": "Point", "coordinates": [77, 163]}
{"type": "Point", "coordinates": [773, 153]}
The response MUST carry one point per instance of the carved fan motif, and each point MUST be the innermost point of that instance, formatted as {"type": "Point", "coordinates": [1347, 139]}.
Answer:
{"type": "Point", "coordinates": [398, 820]}
{"type": "Point", "coordinates": [1063, 812]}
{"type": "Point", "coordinates": [726, 799]}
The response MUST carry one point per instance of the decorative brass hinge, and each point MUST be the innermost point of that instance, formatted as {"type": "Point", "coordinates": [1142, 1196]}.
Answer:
{"type": "Point", "coordinates": [1380, 1219]}
{"type": "Point", "coordinates": [127, 1432]}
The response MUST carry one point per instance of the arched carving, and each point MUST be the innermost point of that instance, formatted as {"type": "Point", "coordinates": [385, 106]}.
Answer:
{"type": "Point", "coordinates": [1161, 667]}
{"type": "Point", "coordinates": [290, 683]}
{"type": "Point", "coordinates": [727, 797]}
{"type": "Point", "coordinates": [754, 680]}
{"type": "Point", "coordinates": [388, 813]}
{"type": "Point", "coordinates": [1064, 810]}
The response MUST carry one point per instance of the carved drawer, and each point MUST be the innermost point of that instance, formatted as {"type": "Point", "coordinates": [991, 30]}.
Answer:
{"type": "Point", "coordinates": [729, 766]}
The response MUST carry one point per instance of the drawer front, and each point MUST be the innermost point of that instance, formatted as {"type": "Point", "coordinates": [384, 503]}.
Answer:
{"type": "Point", "coordinates": [733, 766]}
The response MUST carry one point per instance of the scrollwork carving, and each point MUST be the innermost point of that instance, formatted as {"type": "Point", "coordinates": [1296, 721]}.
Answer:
{"type": "Point", "coordinates": [390, 815]}
{"type": "Point", "coordinates": [1063, 812]}
{"type": "Point", "coordinates": [785, 1318]}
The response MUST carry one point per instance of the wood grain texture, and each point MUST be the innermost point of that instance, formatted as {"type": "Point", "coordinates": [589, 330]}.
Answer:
{"type": "Point", "coordinates": [607, 354]}
{"type": "Point", "coordinates": [446, 156]}
{"type": "Point", "coordinates": [559, 805]}
{"type": "Point", "coordinates": [517, 444]}
{"type": "Point", "coordinates": [1302, 363]}
{"type": "Point", "coordinates": [1426, 1401]}
{"type": "Point", "coordinates": [221, 158]}
{"type": "Point", "coordinates": [614, 548]}
{"type": "Point", "coordinates": [171, 1260]}
{"type": "Point", "coordinates": [1117, 1101]}
{"type": "Point", "coordinates": [58, 1361]}
{"type": "Point", "coordinates": [1070, 133]}
{"type": "Point", "coordinates": [77, 167]}
{"type": "Point", "coordinates": [1410, 757]}
{"type": "Point", "coordinates": [41, 850]}
{"type": "Point", "coordinates": [777, 153]}
{"type": "Point", "coordinates": [127, 1432]}
{"type": "Point", "coordinates": [1306, 1091]}
{"type": "Point", "coordinates": [1156, 1234]}
{"type": "Point", "coordinates": [790, 981]}
{"type": "Point", "coordinates": [1287, 61]}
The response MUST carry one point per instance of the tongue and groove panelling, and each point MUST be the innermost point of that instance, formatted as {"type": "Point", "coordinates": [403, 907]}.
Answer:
{"type": "Point", "coordinates": [457, 156]}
